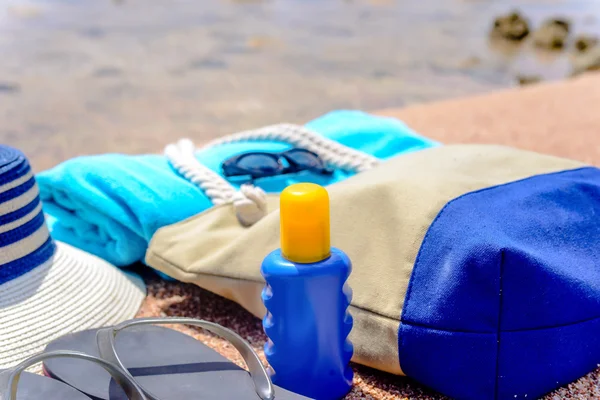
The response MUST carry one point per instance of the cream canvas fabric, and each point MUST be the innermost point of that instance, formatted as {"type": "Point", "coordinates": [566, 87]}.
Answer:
{"type": "Point", "coordinates": [379, 218]}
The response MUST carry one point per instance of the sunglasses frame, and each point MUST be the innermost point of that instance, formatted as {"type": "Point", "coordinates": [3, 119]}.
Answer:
{"type": "Point", "coordinates": [231, 168]}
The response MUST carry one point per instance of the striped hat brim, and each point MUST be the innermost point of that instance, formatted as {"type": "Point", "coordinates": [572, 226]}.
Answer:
{"type": "Point", "coordinates": [71, 291]}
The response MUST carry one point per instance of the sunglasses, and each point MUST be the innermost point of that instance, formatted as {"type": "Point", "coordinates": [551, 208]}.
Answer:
{"type": "Point", "coordinates": [264, 164]}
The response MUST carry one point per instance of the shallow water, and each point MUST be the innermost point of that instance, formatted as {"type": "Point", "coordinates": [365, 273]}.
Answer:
{"type": "Point", "coordinates": [88, 76]}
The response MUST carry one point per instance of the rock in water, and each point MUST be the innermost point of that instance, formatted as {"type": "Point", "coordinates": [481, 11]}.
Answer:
{"type": "Point", "coordinates": [528, 79]}
{"type": "Point", "coordinates": [588, 61]}
{"type": "Point", "coordinates": [512, 27]}
{"type": "Point", "coordinates": [552, 35]}
{"type": "Point", "coordinates": [584, 42]}
{"type": "Point", "coordinates": [563, 23]}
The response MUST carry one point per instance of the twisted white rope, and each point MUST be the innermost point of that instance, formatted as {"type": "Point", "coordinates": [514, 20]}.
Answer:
{"type": "Point", "coordinates": [250, 204]}
{"type": "Point", "coordinates": [332, 152]}
{"type": "Point", "coordinates": [250, 201]}
{"type": "Point", "coordinates": [181, 156]}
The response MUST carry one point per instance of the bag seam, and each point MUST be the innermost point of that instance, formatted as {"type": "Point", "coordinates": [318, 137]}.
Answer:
{"type": "Point", "coordinates": [524, 330]}
{"type": "Point", "coordinates": [445, 208]}
{"type": "Point", "coordinates": [153, 254]}
{"type": "Point", "coordinates": [500, 313]}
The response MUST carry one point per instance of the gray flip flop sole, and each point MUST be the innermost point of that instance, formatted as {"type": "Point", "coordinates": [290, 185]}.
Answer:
{"type": "Point", "coordinates": [36, 387]}
{"type": "Point", "coordinates": [167, 363]}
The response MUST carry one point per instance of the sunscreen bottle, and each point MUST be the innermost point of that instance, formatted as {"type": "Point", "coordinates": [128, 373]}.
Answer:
{"type": "Point", "coordinates": [307, 299]}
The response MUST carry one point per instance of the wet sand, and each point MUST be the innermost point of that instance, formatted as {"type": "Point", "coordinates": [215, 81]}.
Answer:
{"type": "Point", "coordinates": [557, 118]}
{"type": "Point", "coordinates": [81, 77]}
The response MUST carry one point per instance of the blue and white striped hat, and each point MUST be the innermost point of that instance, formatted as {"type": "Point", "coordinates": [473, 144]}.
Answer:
{"type": "Point", "coordinates": [48, 288]}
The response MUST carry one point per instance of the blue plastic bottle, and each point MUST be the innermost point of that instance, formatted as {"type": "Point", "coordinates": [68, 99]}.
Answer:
{"type": "Point", "coordinates": [307, 298]}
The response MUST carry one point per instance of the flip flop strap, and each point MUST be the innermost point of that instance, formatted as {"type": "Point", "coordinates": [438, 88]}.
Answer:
{"type": "Point", "coordinates": [262, 383]}
{"type": "Point", "coordinates": [250, 202]}
{"type": "Point", "coordinates": [9, 379]}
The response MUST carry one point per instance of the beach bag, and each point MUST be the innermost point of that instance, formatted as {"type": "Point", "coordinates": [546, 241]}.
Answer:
{"type": "Point", "coordinates": [476, 269]}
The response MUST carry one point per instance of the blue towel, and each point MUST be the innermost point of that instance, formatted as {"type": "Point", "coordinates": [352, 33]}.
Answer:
{"type": "Point", "coordinates": [110, 205]}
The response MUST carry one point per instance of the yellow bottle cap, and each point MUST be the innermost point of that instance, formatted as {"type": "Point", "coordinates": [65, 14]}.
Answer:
{"type": "Point", "coordinates": [304, 214]}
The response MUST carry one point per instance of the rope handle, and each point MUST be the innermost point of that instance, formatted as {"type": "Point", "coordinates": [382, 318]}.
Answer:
{"type": "Point", "coordinates": [332, 152]}
{"type": "Point", "coordinates": [250, 202]}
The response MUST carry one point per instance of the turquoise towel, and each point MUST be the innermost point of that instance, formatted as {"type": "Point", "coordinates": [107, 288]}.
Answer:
{"type": "Point", "coordinates": [110, 205]}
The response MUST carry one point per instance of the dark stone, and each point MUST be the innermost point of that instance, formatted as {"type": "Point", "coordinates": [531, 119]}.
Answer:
{"type": "Point", "coordinates": [552, 35]}
{"type": "Point", "coordinates": [588, 61]}
{"type": "Point", "coordinates": [562, 23]}
{"type": "Point", "coordinates": [6, 87]}
{"type": "Point", "coordinates": [584, 43]}
{"type": "Point", "coordinates": [512, 27]}
{"type": "Point", "coordinates": [528, 79]}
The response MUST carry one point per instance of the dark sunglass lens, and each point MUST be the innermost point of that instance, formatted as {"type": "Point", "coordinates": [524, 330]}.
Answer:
{"type": "Point", "coordinates": [304, 159]}
{"type": "Point", "coordinates": [259, 164]}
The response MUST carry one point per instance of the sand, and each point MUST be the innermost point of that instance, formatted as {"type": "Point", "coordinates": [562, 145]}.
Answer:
{"type": "Point", "coordinates": [186, 300]}
{"type": "Point", "coordinates": [555, 118]}
{"type": "Point", "coordinates": [552, 118]}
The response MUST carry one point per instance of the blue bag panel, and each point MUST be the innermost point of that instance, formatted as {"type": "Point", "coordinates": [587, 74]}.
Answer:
{"type": "Point", "coordinates": [537, 361]}
{"type": "Point", "coordinates": [524, 256]}
{"type": "Point", "coordinates": [464, 364]}
{"type": "Point", "coordinates": [450, 362]}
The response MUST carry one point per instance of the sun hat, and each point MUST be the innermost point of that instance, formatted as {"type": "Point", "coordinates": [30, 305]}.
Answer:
{"type": "Point", "coordinates": [48, 288]}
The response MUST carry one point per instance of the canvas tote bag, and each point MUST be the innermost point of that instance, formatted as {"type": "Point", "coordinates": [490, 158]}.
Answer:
{"type": "Point", "coordinates": [475, 267]}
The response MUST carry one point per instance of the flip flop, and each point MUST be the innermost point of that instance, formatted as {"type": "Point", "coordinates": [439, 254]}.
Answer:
{"type": "Point", "coordinates": [166, 364]}
{"type": "Point", "coordinates": [30, 386]}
